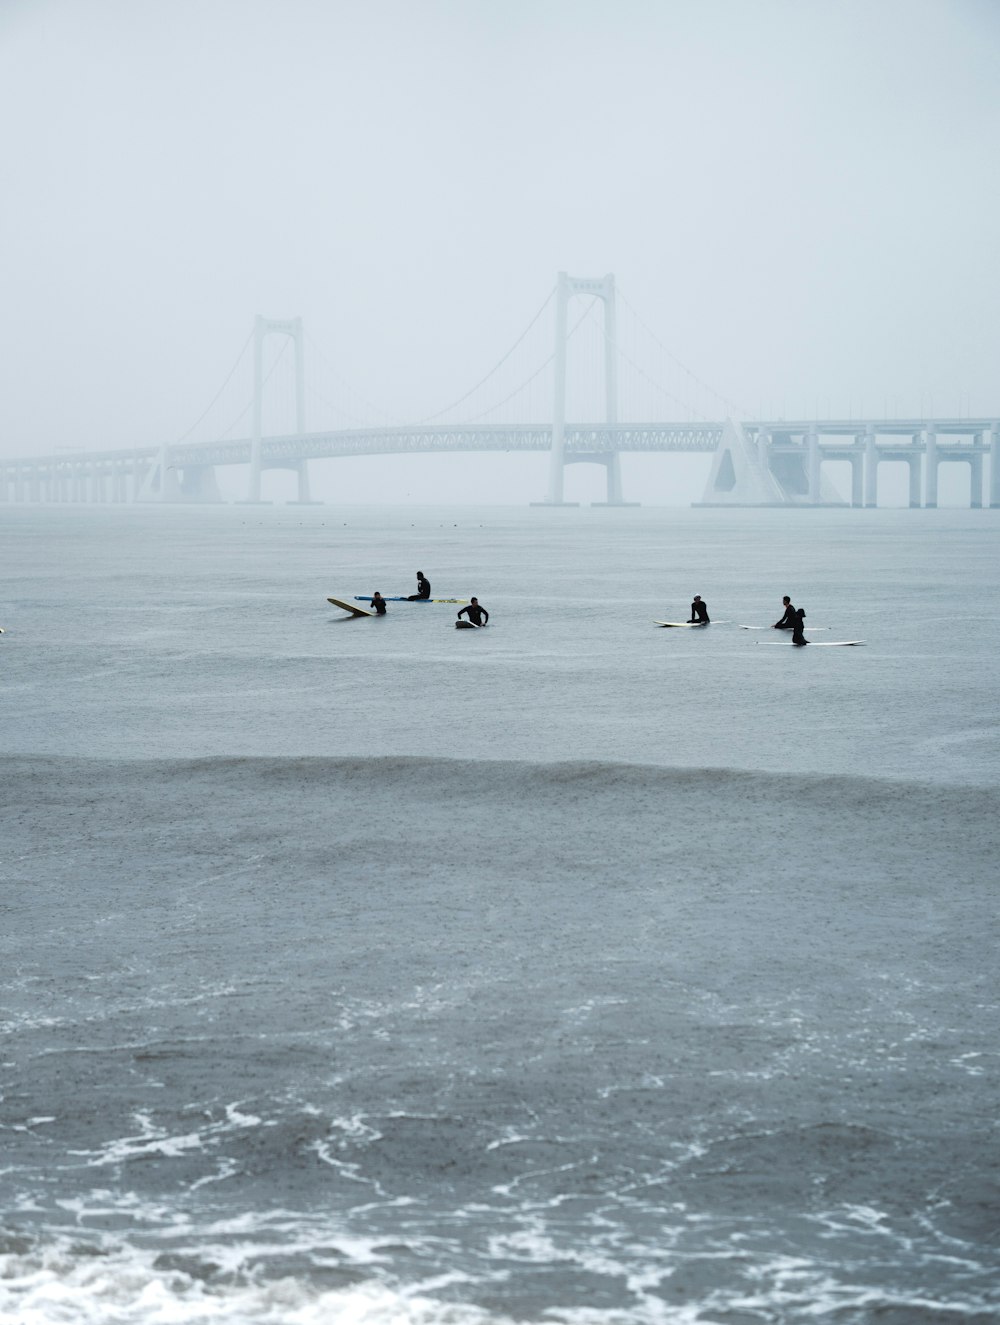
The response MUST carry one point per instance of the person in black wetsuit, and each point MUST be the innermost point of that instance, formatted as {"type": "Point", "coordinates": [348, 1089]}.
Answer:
{"type": "Point", "coordinates": [423, 588]}
{"type": "Point", "coordinates": [477, 615]}
{"type": "Point", "coordinates": [787, 622]}
{"type": "Point", "coordinates": [799, 626]}
{"type": "Point", "coordinates": [378, 602]}
{"type": "Point", "coordinates": [699, 611]}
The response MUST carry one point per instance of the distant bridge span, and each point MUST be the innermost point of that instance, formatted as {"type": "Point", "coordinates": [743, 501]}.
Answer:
{"type": "Point", "coordinates": [186, 471]}
{"type": "Point", "coordinates": [762, 463]}
{"type": "Point", "coordinates": [755, 464]}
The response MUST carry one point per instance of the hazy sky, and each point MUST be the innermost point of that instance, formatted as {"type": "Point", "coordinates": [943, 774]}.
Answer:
{"type": "Point", "coordinates": [801, 198]}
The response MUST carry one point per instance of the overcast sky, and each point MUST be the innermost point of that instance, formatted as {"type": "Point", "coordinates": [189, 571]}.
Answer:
{"type": "Point", "coordinates": [800, 198]}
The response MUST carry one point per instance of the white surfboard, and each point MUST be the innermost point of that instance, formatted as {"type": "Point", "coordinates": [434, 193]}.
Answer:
{"type": "Point", "coordinates": [352, 607]}
{"type": "Point", "coordinates": [470, 625]}
{"type": "Point", "coordinates": [814, 643]}
{"type": "Point", "coordinates": [690, 625]}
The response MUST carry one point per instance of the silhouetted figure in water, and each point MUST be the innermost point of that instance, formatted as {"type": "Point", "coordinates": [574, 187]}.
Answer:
{"type": "Point", "coordinates": [699, 611]}
{"type": "Point", "coordinates": [378, 602]}
{"type": "Point", "coordinates": [423, 588]}
{"type": "Point", "coordinates": [477, 615]}
{"type": "Point", "coordinates": [799, 626]}
{"type": "Point", "coordinates": [787, 622]}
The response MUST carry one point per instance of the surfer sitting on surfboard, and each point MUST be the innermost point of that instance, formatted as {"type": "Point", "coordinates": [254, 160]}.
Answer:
{"type": "Point", "coordinates": [797, 629]}
{"type": "Point", "coordinates": [378, 602]}
{"type": "Point", "coordinates": [476, 614]}
{"type": "Point", "coordinates": [423, 588]}
{"type": "Point", "coordinates": [787, 622]}
{"type": "Point", "coordinates": [699, 611]}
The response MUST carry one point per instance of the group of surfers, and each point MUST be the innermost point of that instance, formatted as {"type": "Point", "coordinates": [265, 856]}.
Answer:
{"type": "Point", "coordinates": [793, 618]}
{"type": "Point", "coordinates": [474, 610]}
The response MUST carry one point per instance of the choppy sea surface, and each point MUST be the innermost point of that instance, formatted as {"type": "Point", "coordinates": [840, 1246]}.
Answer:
{"type": "Point", "coordinates": [572, 970]}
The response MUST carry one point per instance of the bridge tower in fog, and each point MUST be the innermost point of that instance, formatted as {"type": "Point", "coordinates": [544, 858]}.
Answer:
{"type": "Point", "coordinates": [599, 288]}
{"type": "Point", "coordinates": [264, 327]}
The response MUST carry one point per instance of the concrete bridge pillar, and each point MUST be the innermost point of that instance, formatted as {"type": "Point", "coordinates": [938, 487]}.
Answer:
{"type": "Point", "coordinates": [813, 466]}
{"type": "Point", "coordinates": [857, 477]}
{"type": "Point", "coordinates": [604, 289]}
{"type": "Point", "coordinates": [914, 467]}
{"type": "Point", "coordinates": [976, 478]}
{"type": "Point", "coordinates": [301, 469]}
{"type": "Point", "coordinates": [931, 466]}
{"type": "Point", "coordinates": [995, 465]}
{"type": "Point", "coordinates": [871, 467]}
{"type": "Point", "coordinates": [262, 328]}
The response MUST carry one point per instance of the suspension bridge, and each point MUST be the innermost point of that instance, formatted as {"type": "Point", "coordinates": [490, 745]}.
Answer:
{"type": "Point", "coordinates": [755, 462]}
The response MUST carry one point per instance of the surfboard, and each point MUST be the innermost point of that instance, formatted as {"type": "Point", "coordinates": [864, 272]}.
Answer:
{"type": "Point", "coordinates": [352, 607]}
{"type": "Point", "coordinates": [366, 597]}
{"type": "Point", "coordinates": [691, 625]}
{"type": "Point", "coordinates": [814, 643]}
{"type": "Point", "coordinates": [470, 625]}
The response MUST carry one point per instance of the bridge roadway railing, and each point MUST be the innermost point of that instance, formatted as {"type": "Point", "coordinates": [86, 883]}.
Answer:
{"type": "Point", "coordinates": [787, 457]}
{"type": "Point", "coordinates": [589, 438]}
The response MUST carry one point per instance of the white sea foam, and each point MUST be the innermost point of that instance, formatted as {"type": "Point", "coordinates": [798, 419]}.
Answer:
{"type": "Point", "coordinates": [124, 1287]}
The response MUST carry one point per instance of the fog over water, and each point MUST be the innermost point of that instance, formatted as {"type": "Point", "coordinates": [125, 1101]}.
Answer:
{"type": "Point", "coordinates": [800, 201]}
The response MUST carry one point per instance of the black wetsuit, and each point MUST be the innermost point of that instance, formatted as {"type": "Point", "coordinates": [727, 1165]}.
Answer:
{"type": "Point", "coordinates": [699, 612]}
{"type": "Point", "coordinates": [379, 605]}
{"type": "Point", "coordinates": [423, 590]}
{"type": "Point", "coordinates": [799, 626]}
{"type": "Point", "coordinates": [787, 622]}
{"type": "Point", "coordinates": [476, 613]}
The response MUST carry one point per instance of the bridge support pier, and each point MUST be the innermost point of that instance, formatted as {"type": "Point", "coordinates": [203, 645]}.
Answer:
{"type": "Point", "coordinates": [857, 479]}
{"type": "Point", "coordinates": [199, 484]}
{"type": "Point", "coordinates": [976, 481]}
{"type": "Point", "coordinates": [914, 497]}
{"type": "Point", "coordinates": [995, 466]}
{"type": "Point", "coordinates": [264, 327]}
{"type": "Point", "coordinates": [812, 467]}
{"type": "Point", "coordinates": [931, 468]}
{"type": "Point", "coordinates": [303, 499]}
{"type": "Point", "coordinates": [602, 288]}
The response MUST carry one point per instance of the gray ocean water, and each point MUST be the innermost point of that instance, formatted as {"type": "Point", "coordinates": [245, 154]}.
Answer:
{"type": "Point", "coordinates": [571, 970]}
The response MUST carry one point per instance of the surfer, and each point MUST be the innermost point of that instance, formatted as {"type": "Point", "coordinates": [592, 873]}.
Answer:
{"type": "Point", "coordinates": [798, 626]}
{"type": "Point", "coordinates": [477, 615]}
{"type": "Point", "coordinates": [787, 621]}
{"type": "Point", "coordinates": [378, 602]}
{"type": "Point", "coordinates": [423, 588]}
{"type": "Point", "coordinates": [699, 611]}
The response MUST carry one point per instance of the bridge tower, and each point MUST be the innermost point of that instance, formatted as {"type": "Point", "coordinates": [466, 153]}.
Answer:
{"type": "Point", "coordinates": [601, 288]}
{"type": "Point", "coordinates": [264, 327]}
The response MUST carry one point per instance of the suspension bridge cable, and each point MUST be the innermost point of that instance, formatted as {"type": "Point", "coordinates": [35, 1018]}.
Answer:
{"type": "Point", "coordinates": [344, 413]}
{"type": "Point", "coordinates": [239, 359]}
{"type": "Point", "coordinates": [499, 364]}
{"type": "Point", "coordinates": [731, 405]}
{"type": "Point", "coordinates": [662, 389]}
{"type": "Point", "coordinates": [540, 369]}
{"type": "Point", "coordinates": [314, 345]}
{"type": "Point", "coordinates": [263, 384]}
